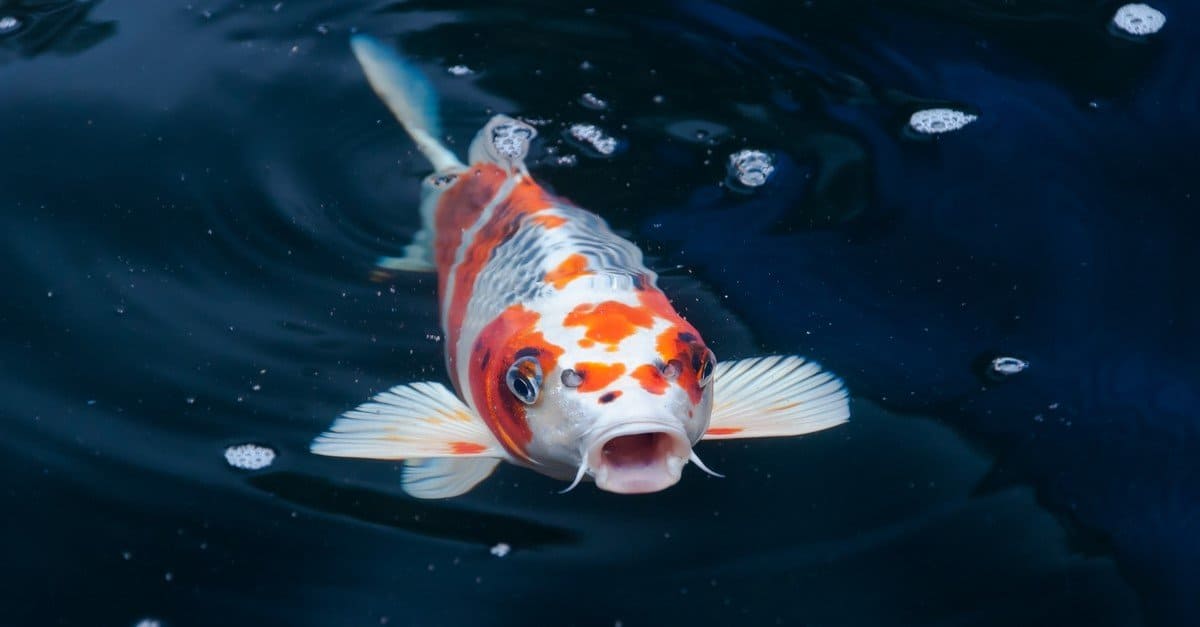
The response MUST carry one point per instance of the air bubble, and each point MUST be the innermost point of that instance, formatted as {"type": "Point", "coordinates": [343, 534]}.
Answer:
{"type": "Point", "coordinates": [9, 24]}
{"type": "Point", "coordinates": [592, 101]}
{"type": "Point", "coordinates": [460, 70]}
{"type": "Point", "coordinates": [750, 168]}
{"type": "Point", "coordinates": [933, 121]}
{"type": "Point", "coordinates": [249, 456]}
{"type": "Point", "coordinates": [594, 138]}
{"type": "Point", "coordinates": [1139, 19]}
{"type": "Point", "coordinates": [566, 161]}
{"type": "Point", "coordinates": [1008, 366]}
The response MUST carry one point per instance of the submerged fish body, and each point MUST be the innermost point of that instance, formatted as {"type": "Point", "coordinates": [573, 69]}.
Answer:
{"type": "Point", "coordinates": [565, 355]}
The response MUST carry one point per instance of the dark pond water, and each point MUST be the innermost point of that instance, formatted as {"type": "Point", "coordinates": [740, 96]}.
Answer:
{"type": "Point", "coordinates": [193, 195]}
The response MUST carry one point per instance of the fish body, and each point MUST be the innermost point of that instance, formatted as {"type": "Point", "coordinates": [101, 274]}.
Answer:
{"type": "Point", "coordinates": [565, 355]}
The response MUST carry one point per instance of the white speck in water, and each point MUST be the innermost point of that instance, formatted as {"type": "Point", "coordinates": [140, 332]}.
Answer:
{"type": "Point", "coordinates": [586, 65]}
{"type": "Point", "coordinates": [594, 138]}
{"type": "Point", "coordinates": [191, 400]}
{"type": "Point", "coordinates": [1008, 366]}
{"type": "Point", "coordinates": [277, 6]}
{"type": "Point", "coordinates": [501, 549]}
{"type": "Point", "coordinates": [658, 99]}
{"type": "Point", "coordinates": [249, 456]}
{"type": "Point", "coordinates": [751, 168]}
{"type": "Point", "coordinates": [9, 24]}
{"type": "Point", "coordinates": [148, 622]}
{"type": "Point", "coordinates": [460, 70]}
{"type": "Point", "coordinates": [323, 29]}
{"type": "Point", "coordinates": [592, 101]}
{"type": "Point", "coordinates": [566, 161]}
{"type": "Point", "coordinates": [1139, 19]}
{"type": "Point", "coordinates": [933, 121]}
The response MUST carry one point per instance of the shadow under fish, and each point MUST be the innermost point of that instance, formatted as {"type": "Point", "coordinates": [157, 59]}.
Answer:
{"type": "Point", "coordinates": [425, 518]}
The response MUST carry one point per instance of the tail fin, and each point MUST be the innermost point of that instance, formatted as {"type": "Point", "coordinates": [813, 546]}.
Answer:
{"type": "Point", "coordinates": [408, 94]}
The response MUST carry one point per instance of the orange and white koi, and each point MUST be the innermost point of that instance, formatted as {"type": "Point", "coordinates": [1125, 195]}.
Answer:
{"type": "Point", "coordinates": [566, 356]}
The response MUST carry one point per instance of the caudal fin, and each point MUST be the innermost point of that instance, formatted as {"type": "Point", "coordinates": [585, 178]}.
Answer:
{"type": "Point", "coordinates": [408, 94]}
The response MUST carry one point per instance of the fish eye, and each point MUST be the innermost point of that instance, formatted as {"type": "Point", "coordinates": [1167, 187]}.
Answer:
{"type": "Point", "coordinates": [671, 369]}
{"type": "Point", "coordinates": [707, 368]}
{"type": "Point", "coordinates": [571, 379]}
{"type": "Point", "coordinates": [524, 379]}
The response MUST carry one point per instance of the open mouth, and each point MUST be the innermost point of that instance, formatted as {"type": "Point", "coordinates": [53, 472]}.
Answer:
{"type": "Point", "coordinates": [638, 460]}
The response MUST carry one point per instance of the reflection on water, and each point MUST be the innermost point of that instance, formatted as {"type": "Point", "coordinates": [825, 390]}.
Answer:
{"type": "Point", "coordinates": [190, 237]}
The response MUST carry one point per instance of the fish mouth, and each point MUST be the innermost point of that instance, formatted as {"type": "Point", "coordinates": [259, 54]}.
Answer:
{"type": "Point", "coordinates": [638, 458]}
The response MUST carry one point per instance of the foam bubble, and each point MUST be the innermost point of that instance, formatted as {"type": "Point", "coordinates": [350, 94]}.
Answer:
{"type": "Point", "coordinates": [149, 622]}
{"type": "Point", "coordinates": [249, 456]}
{"type": "Point", "coordinates": [594, 138]}
{"type": "Point", "coordinates": [751, 168]}
{"type": "Point", "coordinates": [1008, 366]}
{"type": "Point", "coordinates": [501, 549]}
{"type": "Point", "coordinates": [1139, 19]}
{"type": "Point", "coordinates": [592, 101]}
{"type": "Point", "coordinates": [9, 24]}
{"type": "Point", "coordinates": [511, 139]}
{"type": "Point", "coordinates": [460, 70]}
{"type": "Point", "coordinates": [932, 121]}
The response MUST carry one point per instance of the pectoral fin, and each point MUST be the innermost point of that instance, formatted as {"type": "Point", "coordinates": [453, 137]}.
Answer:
{"type": "Point", "coordinates": [775, 396]}
{"type": "Point", "coordinates": [444, 477]}
{"type": "Point", "coordinates": [416, 420]}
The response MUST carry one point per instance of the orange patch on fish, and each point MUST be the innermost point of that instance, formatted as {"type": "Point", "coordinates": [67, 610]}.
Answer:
{"type": "Point", "coordinates": [570, 269]}
{"type": "Point", "coordinates": [466, 448]}
{"type": "Point", "coordinates": [723, 431]}
{"type": "Point", "coordinates": [513, 332]}
{"type": "Point", "coordinates": [597, 376]}
{"type": "Point", "coordinates": [548, 220]}
{"type": "Point", "coordinates": [650, 378]}
{"type": "Point", "coordinates": [609, 322]}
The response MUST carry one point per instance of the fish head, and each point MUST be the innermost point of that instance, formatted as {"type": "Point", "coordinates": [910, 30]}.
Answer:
{"type": "Point", "coordinates": [618, 391]}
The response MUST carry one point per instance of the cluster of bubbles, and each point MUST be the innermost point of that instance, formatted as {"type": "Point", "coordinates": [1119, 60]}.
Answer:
{"type": "Point", "coordinates": [1139, 19]}
{"type": "Point", "coordinates": [249, 456]}
{"type": "Point", "coordinates": [501, 549]}
{"type": "Point", "coordinates": [750, 168]}
{"type": "Point", "coordinates": [592, 101]}
{"type": "Point", "coordinates": [9, 24]}
{"type": "Point", "coordinates": [1008, 366]}
{"type": "Point", "coordinates": [594, 138]}
{"type": "Point", "coordinates": [460, 70]}
{"type": "Point", "coordinates": [512, 139]}
{"type": "Point", "coordinates": [933, 121]}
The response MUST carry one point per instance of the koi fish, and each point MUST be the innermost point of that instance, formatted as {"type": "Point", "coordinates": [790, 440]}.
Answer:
{"type": "Point", "coordinates": [565, 355]}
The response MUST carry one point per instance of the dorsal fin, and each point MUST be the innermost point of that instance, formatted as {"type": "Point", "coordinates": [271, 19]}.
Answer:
{"type": "Point", "coordinates": [408, 94]}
